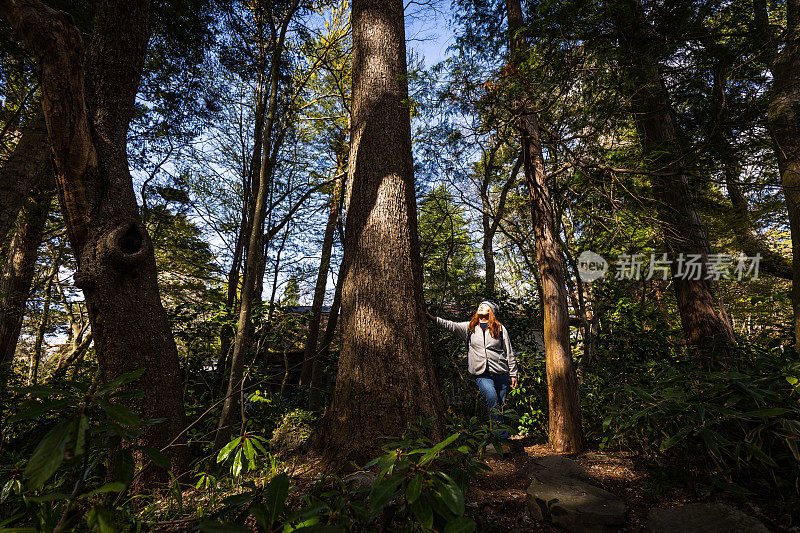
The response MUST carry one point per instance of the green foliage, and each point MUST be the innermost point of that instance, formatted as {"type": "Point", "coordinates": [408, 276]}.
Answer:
{"type": "Point", "coordinates": [449, 260]}
{"type": "Point", "coordinates": [65, 471]}
{"type": "Point", "coordinates": [742, 421]}
{"type": "Point", "coordinates": [419, 486]}
{"type": "Point", "coordinates": [242, 451]}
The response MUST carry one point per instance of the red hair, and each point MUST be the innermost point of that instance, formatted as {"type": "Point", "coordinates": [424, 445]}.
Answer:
{"type": "Point", "coordinates": [494, 325]}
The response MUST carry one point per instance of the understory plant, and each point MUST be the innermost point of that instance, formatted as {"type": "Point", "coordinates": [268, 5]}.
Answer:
{"type": "Point", "coordinates": [742, 419]}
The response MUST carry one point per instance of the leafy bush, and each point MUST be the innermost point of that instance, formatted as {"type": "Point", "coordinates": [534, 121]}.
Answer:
{"type": "Point", "coordinates": [419, 484]}
{"type": "Point", "coordinates": [66, 470]}
{"type": "Point", "coordinates": [744, 421]}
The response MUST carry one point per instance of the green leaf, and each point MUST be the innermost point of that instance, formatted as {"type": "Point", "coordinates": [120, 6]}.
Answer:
{"type": "Point", "coordinates": [226, 451]}
{"type": "Point", "coordinates": [158, 458]}
{"type": "Point", "coordinates": [452, 495]}
{"type": "Point", "coordinates": [48, 455]}
{"type": "Point", "coordinates": [114, 486]}
{"type": "Point", "coordinates": [99, 519]}
{"type": "Point", "coordinates": [120, 414]}
{"type": "Point", "coordinates": [123, 467]}
{"type": "Point", "coordinates": [249, 453]}
{"type": "Point", "coordinates": [383, 491]}
{"type": "Point", "coordinates": [80, 434]}
{"type": "Point", "coordinates": [236, 469]}
{"type": "Point", "coordinates": [768, 413]}
{"type": "Point", "coordinates": [52, 497]}
{"type": "Point", "coordinates": [414, 488]}
{"type": "Point", "coordinates": [462, 524]}
{"type": "Point", "coordinates": [124, 379]}
{"type": "Point", "coordinates": [675, 439]}
{"type": "Point", "coordinates": [431, 454]}
{"type": "Point", "coordinates": [33, 409]}
{"type": "Point", "coordinates": [423, 512]}
{"type": "Point", "coordinates": [275, 493]}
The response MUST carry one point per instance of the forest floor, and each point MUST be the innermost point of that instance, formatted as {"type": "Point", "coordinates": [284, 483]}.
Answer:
{"type": "Point", "coordinates": [497, 499]}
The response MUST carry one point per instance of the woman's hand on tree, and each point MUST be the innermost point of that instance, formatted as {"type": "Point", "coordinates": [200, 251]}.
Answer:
{"type": "Point", "coordinates": [514, 382]}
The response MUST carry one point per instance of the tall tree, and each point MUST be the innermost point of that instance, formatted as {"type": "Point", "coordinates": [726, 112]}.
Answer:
{"type": "Point", "coordinates": [705, 323]}
{"type": "Point", "coordinates": [20, 173]}
{"type": "Point", "coordinates": [386, 377]}
{"type": "Point", "coordinates": [18, 276]}
{"type": "Point", "coordinates": [88, 97]}
{"type": "Point", "coordinates": [783, 58]}
{"type": "Point", "coordinates": [254, 269]}
{"type": "Point", "coordinates": [565, 432]}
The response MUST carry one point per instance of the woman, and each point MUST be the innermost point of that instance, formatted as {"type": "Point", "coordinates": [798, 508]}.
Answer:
{"type": "Point", "coordinates": [491, 358]}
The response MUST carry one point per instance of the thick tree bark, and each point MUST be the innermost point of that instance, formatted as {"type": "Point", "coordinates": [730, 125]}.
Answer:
{"type": "Point", "coordinates": [27, 165]}
{"type": "Point", "coordinates": [565, 432]}
{"type": "Point", "coordinates": [386, 377]}
{"type": "Point", "coordinates": [88, 103]}
{"type": "Point", "coordinates": [251, 285]}
{"type": "Point", "coordinates": [706, 326]}
{"type": "Point", "coordinates": [784, 125]}
{"type": "Point", "coordinates": [310, 349]}
{"type": "Point", "coordinates": [18, 277]}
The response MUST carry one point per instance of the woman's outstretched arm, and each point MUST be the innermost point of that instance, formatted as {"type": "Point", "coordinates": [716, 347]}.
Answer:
{"type": "Point", "coordinates": [459, 328]}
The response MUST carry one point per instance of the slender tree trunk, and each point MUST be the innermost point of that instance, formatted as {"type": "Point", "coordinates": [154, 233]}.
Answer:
{"type": "Point", "coordinates": [705, 324]}
{"type": "Point", "coordinates": [310, 349]}
{"type": "Point", "coordinates": [248, 207]}
{"type": "Point", "coordinates": [18, 277]}
{"type": "Point", "coordinates": [255, 249]}
{"type": "Point", "coordinates": [88, 100]}
{"type": "Point", "coordinates": [386, 378]}
{"type": "Point", "coordinates": [743, 227]}
{"type": "Point", "coordinates": [565, 432]}
{"type": "Point", "coordinates": [28, 164]}
{"type": "Point", "coordinates": [323, 353]}
{"type": "Point", "coordinates": [784, 127]}
{"type": "Point", "coordinates": [41, 329]}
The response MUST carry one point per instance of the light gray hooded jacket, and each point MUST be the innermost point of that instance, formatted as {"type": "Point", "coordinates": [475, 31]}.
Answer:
{"type": "Point", "coordinates": [485, 352]}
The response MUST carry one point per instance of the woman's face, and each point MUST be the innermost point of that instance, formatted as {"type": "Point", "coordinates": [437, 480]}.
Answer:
{"type": "Point", "coordinates": [483, 310]}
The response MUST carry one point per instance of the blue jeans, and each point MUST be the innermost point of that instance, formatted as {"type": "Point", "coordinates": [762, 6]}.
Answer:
{"type": "Point", "coordinates": [494, 388]}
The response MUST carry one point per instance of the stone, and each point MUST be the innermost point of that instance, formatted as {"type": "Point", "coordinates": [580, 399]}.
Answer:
{"type": "Point", "coordinates": [555, 465]}
{"type": "Point", "coordinates": [574, 504]}
{"type": "Point", "coordinates": [360, 480]}
{"type": "Point", "coordinates": [293, 431]}
{"type": "Point", "coordinates": [706, 517]}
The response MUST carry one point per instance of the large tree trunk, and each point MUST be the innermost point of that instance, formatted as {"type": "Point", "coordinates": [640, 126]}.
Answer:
{"type": "Point", "coordinates": [784, 127]}
{"type": "Point", "coordinates": [27, 165]}
{"type": "Point", "coordinates": [88, 105]}
{"type": "Point", "coordinates": [706, 326]}
{"type": "Point", "coordinates": [18, 277]}
{"type": "Point", "coordinates": [386, 377]}
{"type": "Point", "coordinates": [565, 432]}
{"type": "Point", "coordinates": [310, 349]}
{"type": "Point", "coordinates": [253, 274]}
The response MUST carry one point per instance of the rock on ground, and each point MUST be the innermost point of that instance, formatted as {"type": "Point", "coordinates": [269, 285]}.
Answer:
{"type": "Point", "coordinates": [706, 517]}
{"type": "Point", "coordinates": [558, 494]}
